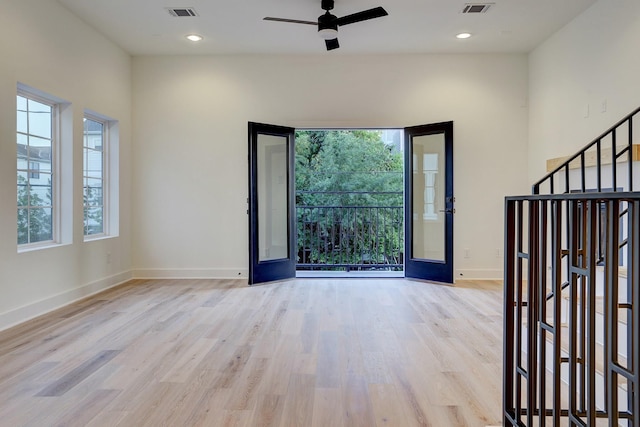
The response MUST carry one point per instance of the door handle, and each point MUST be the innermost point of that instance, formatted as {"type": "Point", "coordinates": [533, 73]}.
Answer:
{"type": "Point", "coordinates": [451, 210]}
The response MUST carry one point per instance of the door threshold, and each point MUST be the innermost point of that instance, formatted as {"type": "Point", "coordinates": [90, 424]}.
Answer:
{"type": "Point", "coordinates": [350, 274]}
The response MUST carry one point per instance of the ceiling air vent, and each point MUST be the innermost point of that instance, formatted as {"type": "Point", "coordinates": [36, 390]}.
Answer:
{"type": "Point", "coordinates": [476, 7]}
{"type": "Point", "coordinates": [180, 12]}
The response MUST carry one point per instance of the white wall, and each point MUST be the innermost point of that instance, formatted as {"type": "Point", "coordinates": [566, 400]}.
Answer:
{"type": "Point", "coordinates": [592, 61]}
{"type": "Point", "coordinates": [189, 183]}
{"type": "Point", "coordinates": [46, 47]}
{"type": "Point", "coordinates": [190, 152]}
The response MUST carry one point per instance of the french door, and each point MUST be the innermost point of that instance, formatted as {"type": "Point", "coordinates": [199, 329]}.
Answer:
{"type": "Point", "coordinates": [429, 200]}
{"type": "Point", "coordinates": [271, 203]}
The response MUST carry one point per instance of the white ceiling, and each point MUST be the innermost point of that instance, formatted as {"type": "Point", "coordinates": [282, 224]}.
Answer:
{"type": "Point", "coordinates": [144, 27]}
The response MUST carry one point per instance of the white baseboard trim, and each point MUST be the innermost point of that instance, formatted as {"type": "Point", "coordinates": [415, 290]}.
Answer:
{"type": "Point", "coordinates": [479, 274]}
{"type": "Point", "coordinates": [190, 273]}
{"type": "Point", "coordinates": [243, 273]}
{"type": "Point", "coordinates": [27, 312]}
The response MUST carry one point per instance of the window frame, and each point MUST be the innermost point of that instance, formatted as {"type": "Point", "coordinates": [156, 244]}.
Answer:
{"type": "Point", "coordinates": [55, 139]}
{"type": "Point", "coordinates": [111, 176]}
{"type": "Point", "coordinates": [106, 125]}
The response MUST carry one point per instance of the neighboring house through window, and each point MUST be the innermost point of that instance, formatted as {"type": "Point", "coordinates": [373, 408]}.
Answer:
{"type": "Point", "coordinates": [34, 170]}
{"type": "Point", "coordinates": [430, 170]}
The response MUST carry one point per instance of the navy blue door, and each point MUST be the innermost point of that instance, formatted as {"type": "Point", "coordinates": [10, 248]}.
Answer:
{"type": "Point", "coordinates": [429, 202]}
{"type": "Point", "coordinates": [271, 203]}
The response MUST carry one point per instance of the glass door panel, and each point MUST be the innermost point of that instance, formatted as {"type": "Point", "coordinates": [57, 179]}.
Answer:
{"type": "Point", "coordinates": [271, 203]}
{"type": "Point", "coordinates": [429, 202]}
{"type": "Point", "coordinates": [272, 197]}
{"type": "Point", "coordinates": [428, 197]}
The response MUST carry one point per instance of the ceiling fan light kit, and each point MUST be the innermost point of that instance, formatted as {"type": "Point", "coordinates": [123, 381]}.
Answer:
{"type": "Point", "coordinates": [328, 33]}
{"type": "Point", "coordinates": [328, 24]}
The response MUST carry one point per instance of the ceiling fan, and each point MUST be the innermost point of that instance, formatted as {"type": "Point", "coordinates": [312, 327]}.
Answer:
{"type": "Point", "coordinates": [328, 24]}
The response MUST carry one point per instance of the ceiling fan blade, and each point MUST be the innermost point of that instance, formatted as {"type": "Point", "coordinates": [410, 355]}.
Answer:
{"type": "Point", "coordinates": [332, 44]}
{"type": "Point", "coordinates": [292, 21]}
{"type": "Point", "coordinates": [376, 12]}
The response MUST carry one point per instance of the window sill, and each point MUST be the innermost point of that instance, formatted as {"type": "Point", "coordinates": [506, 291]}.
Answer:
{"type": "Point", "coordinates": [32, 247]}
{"type": "Point", "coordinates": [97, 237]}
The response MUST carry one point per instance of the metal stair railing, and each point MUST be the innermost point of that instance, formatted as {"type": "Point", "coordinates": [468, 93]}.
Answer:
{"type": "Point", "coordinates": [554, 242]}
{"type": "Point", "coordinates": [622, 155]}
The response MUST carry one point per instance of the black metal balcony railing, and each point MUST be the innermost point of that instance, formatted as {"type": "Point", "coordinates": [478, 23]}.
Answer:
{"type": "Point", "coordinates": [362, 232]}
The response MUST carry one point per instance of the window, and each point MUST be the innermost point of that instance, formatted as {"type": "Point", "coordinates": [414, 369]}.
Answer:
{"type": "Point", "coordinates": [94, 176]}
{"type": "Point", "coordinates": [430, 169]}
{"type": "Point", "coordinates": [36, 174]}
{"type": "Point", "coordinates": [44, 151]}
{"type": "Point", "coordinates": [34, 170]}
{"type": "Point", "coordinates": [100, 176]}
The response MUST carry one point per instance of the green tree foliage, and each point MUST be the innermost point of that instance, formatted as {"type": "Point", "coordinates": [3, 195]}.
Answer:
{"type": "Point", "coordinates": [34, 223]}
{"type": "Point", "coordinates": [349, 198]}
{"type": "Point", "coordinates": [93, 211]}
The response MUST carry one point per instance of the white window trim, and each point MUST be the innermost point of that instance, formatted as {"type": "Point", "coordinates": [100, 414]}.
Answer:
{"type": "Point", "coordinates": [61, 231]}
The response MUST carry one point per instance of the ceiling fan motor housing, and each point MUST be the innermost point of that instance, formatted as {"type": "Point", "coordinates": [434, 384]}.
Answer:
{"type": "Point", "coordinates": [327, 22]}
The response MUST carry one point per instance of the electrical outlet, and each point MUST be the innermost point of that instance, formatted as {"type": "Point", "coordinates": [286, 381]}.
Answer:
{"type": "Point", "coordinates": [108, 257]}
{"type": "Point", "coordinates": [467, 253]}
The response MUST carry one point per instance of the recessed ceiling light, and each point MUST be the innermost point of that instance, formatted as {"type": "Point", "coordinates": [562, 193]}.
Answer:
{"type": "Point", "coordinates": [194, 37]}
{"type": "Point", "coordinates": [463, 35]}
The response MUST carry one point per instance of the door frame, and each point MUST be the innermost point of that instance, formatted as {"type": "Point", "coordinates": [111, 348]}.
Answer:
{"type": "Point", "coordinates": [277, 269]}
{"type": "Point", "coordinates": [432, 270]}
{"type": "Point", "coordinates": [425, 269]}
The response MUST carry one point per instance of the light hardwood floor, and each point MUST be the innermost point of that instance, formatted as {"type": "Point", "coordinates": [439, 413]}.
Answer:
{"type": "Point", "coordinates": [305, 352]}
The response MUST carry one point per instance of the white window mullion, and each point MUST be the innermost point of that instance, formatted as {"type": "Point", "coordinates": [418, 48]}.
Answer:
{"type": "Point", "coordinates": [55, 181]}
